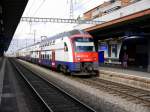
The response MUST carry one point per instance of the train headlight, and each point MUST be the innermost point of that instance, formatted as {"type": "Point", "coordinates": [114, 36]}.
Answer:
{"type": "Point", "coordinates": [78, 58]}
{"type": "Point", "coordinates": [94, 58]}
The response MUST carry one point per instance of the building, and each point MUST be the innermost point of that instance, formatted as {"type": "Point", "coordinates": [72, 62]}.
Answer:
{"type": "Point", "coordinates": [107, 7]}
{"type": "Point", "coordinates": [121, 25]}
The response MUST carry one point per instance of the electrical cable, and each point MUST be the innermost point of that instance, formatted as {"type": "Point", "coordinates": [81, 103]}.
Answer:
{"type": "Point", "coordinates": [81, 4]}
{"type": "Point", "coordinates": [29, 9]}
{"type": "Point", "coordinates": [39, 7]}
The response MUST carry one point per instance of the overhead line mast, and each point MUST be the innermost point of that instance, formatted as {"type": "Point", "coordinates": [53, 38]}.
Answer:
{"type": "Point", "coordinates": [71, 9]}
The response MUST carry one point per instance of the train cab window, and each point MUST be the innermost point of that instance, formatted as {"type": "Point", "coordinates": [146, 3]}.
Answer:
{"type": "Point", "coordinates": [65, 47]}
{"type": "Point", "coordinates": [80, 39]}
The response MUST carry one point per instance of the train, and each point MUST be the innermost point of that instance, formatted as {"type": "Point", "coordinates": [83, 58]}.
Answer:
{"type": "Point", "coordinates": [71, 52]}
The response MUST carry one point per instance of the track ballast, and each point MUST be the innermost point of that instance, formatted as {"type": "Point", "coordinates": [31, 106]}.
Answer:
{"type": "Point", "coordinates": [54, 98]}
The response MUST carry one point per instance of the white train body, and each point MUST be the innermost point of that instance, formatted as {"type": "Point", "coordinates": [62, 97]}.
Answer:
{"type": "Point", "coordinates": [72, 51]}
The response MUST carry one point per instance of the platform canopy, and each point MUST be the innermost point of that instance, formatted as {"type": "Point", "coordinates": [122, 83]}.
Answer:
{"type": "Point", "coordinates": [10, 14]}
{"type": "Point", "coordinates": [136, 24]}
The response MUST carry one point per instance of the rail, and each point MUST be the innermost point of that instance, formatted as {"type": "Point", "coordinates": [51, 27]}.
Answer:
{"type": "Point", "coordinates": [54, 98]}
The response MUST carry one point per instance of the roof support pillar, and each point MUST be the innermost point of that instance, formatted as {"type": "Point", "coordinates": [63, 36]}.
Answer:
{"type": "Point", "coordinates": [148, 69]}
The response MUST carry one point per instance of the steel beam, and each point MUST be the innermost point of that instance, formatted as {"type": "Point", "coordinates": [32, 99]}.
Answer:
{"type": "Point", "coordinates": [59, 20]}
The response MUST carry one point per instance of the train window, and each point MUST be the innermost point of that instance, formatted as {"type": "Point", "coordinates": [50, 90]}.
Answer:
{"type": "Point", "coordinates": [47, 56]}
{"type": "Point", "coordinates": [65, 47]}
{"type": "Point", "coordinates": [74, 32]}
{"type": "Point", "coordinates": [49, 43]}
{"type": "Point", "coordinates": [80, 39]}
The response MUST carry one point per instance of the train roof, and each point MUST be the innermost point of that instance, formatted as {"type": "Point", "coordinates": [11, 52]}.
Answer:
{"type": "Point", "coordinates": [60, 35]}
{"type": "Point", "coordinates": [29, 45]}
{"type": "Point", "coordinates": [63, 34]}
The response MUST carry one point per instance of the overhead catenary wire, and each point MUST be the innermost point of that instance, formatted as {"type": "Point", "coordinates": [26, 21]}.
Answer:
{"type": "Point", "coordinates": [31, 6]}
{"type": "Point", "coordinates": [43, 1]}
{"type": "Point", "coordinates": [81, 5]}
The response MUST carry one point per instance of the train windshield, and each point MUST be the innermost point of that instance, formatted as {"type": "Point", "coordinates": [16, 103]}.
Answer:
{"type": "Point", "coordinates": [84, 45]}
{"type": "Point", "coordinates": [80, 39]}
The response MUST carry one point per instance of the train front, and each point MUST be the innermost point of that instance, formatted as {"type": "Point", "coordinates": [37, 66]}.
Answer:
{"type": "Point", "coordinates": [84, 55]}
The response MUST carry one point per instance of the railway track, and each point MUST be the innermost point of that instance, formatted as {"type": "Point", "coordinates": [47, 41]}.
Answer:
{"type": "Point", "coordinates": [136, 95]}
{"type": "Point", "coordinates": [53, 97]}
{"type": "Point", "coordinates": [24, 99]}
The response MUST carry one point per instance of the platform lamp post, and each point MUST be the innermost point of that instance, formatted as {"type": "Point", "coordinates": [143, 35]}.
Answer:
{"type": "Point", "coordinates": [34, 36]}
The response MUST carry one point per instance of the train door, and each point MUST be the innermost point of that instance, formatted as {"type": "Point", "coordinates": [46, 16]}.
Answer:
{"type": "Point", "coordinates": [53, 60]}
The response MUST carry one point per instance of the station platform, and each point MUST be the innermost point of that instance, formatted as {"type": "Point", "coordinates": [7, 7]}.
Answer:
{"type": "Point", "coordinates": [127, 71]}
{"type": "Point", "coordinates": [133, 78]}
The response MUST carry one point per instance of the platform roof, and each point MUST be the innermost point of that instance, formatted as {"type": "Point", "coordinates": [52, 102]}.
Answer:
{"type": "Point", "coordinates": [10, 14]}
{"type": "Point", "coordinates": [135, 24]}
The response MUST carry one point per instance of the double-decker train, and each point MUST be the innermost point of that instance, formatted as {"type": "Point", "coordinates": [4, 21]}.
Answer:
{"type": "Point", "coordinates": [70, 52]}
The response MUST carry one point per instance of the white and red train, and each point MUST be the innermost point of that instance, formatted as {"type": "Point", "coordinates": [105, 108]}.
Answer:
{"type": "Point", "coordinates": [70, 52]}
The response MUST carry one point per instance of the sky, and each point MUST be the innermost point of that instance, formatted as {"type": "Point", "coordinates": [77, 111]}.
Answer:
{"type": "Point", "coordinates": [26, 31]}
